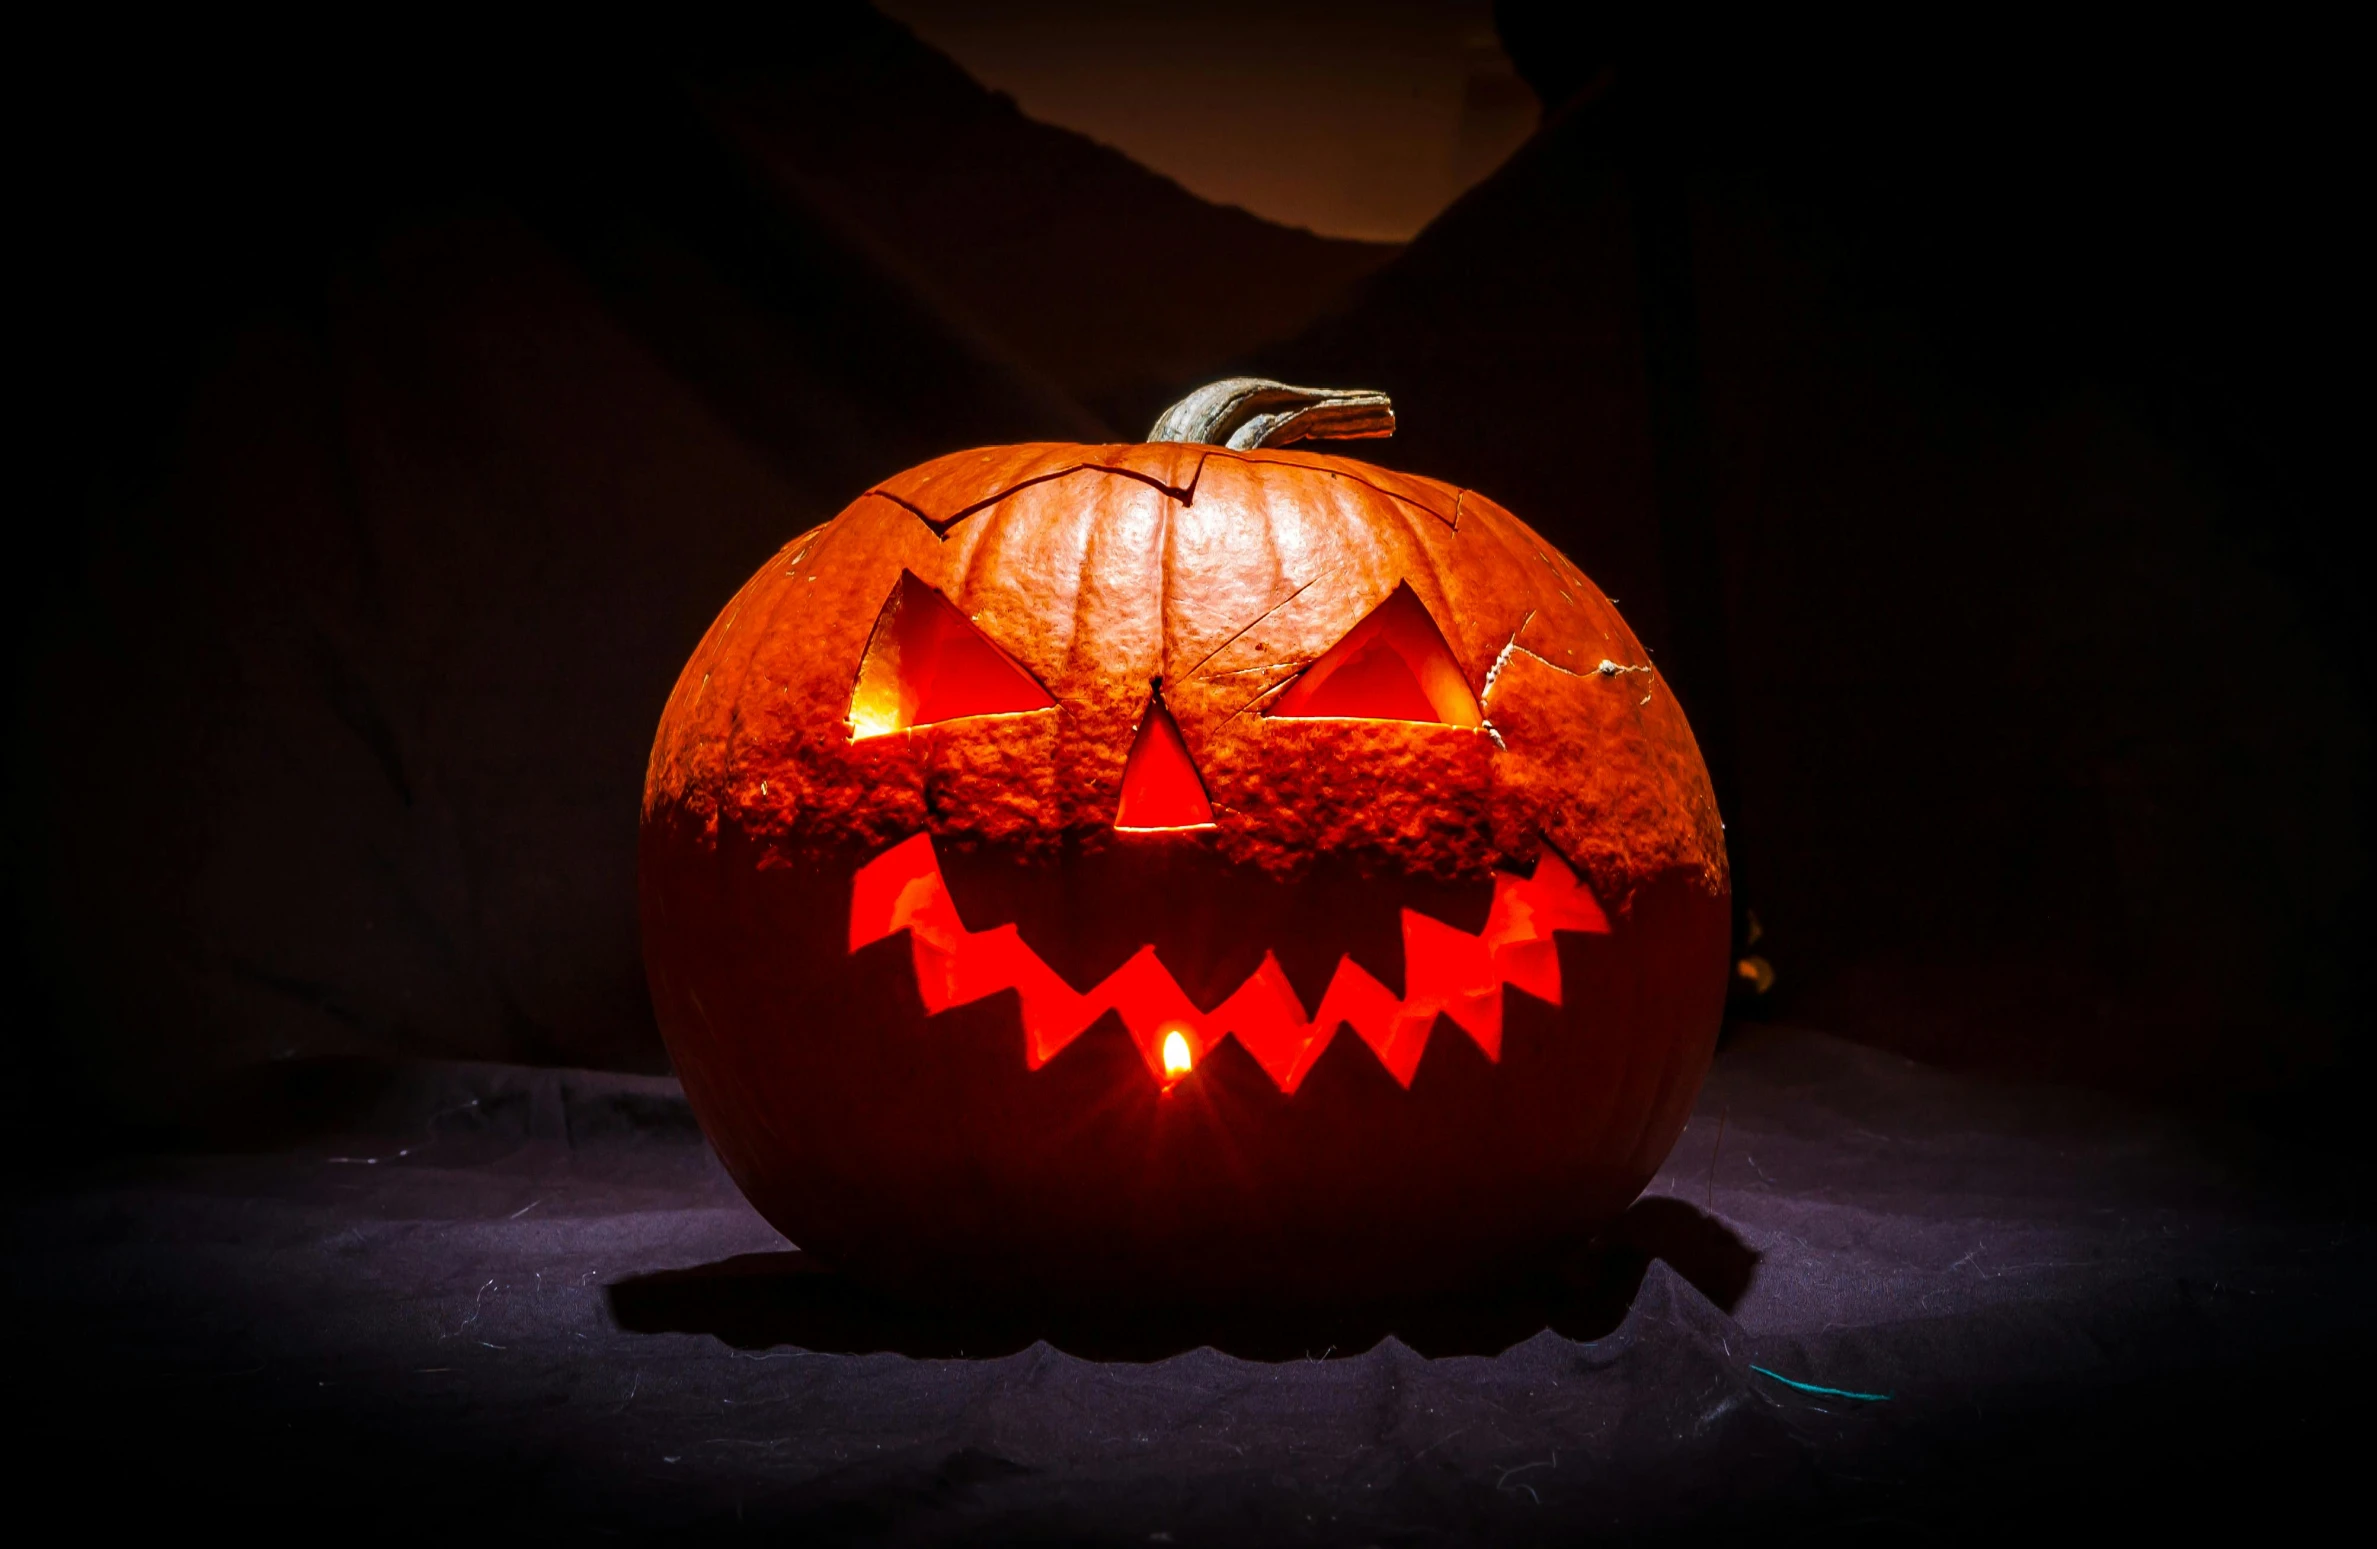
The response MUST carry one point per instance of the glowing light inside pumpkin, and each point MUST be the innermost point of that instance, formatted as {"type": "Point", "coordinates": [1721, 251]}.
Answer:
{"type": "Point", "coordinates": [1446, 972]}
{"type": "Point", "coordinates": [1392, 666]}
{"type": "Point", "coordinates": [926, 662]}
{"type": "Point", "coordinates": [1160, 786]}
{"type": "Point", "coordinates": [1177, 1058]}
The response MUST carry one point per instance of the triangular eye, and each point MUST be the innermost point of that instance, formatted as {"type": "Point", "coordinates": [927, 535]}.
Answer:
{"type": "Point", "coordinates": [927, 662]}
{"type": "Point", "coordinates": [1160, 784]}
{"type": "Point", "coordinates": [1392, 666]}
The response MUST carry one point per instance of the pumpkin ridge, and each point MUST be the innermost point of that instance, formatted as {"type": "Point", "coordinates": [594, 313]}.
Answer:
{"type": "Point", "coordinates": [1672, 1061]}
{"type": "Point", "coordinates": [1165, 561]}
{"type": "Point", "coordinates": [1240, 632]}
{"type": "Point", "coordinates": [1444, 612]}
{"type": "Point", "coordinates": [679, 769]}
{"type": "Point", "coordinates": [798, 549]}
{"type": "Point", "coordinates": [1339, 467]}
{"type": "Point", "coordinates": [754, 641]}
{"type": "Point", "coordinates": [986, 541]}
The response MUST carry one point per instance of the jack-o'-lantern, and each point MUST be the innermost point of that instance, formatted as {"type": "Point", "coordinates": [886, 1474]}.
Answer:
{"type": "Point", "coordinates": [1181, 869]}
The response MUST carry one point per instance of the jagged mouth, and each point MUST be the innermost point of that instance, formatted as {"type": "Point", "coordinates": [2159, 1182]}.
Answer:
{"type": "Point", "coordinates": [1446, 971]}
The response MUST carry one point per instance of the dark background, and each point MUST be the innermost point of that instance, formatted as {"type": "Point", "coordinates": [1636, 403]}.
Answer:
{"type": "Point", "coordinates": [1964, 418]}
{"type": "Point", "coordinates": [1967, 416]}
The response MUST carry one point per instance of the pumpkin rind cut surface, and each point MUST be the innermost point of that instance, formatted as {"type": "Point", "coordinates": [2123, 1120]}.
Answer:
{"type": "Point", "coordinates": [1170, 870]}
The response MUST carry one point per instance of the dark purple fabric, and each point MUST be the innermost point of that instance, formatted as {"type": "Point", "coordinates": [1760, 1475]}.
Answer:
{"type": "Point", "coordinates": [470, 1299]}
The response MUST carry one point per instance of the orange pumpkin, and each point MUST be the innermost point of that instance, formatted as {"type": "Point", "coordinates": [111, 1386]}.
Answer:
{"type": "Point", "coordinates": [1180, 869]}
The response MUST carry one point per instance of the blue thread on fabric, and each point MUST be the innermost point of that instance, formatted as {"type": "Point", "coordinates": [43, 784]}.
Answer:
{"type": "Point", "coordinates": [1809, 1387]}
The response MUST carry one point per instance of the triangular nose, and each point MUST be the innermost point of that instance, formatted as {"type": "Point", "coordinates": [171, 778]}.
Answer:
{"type": "Point", "coordinates": [1160, 788]}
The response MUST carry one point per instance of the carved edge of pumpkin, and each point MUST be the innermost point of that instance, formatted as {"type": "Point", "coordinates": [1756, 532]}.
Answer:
{"type": "Point", "coordinates": [942, 524]}
{"type": "Point", "coordinates": [1447, 511]}
{"type": "Point", "coordinates": [1241, 415]}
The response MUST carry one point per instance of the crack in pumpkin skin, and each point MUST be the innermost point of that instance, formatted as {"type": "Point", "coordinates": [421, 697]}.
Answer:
{"type": "Point", "coordinates": [947, 490]}
{"type": "Point", "coordinates": [1447, 972]}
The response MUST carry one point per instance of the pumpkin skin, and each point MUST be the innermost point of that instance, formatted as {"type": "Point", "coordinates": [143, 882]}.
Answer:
{"type": "Point", "coordinates": [956, 1151]}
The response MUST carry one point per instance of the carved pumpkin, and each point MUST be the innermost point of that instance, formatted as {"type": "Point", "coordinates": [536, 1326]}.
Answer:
{"type": "Point", "coordinates": [1182, 868]}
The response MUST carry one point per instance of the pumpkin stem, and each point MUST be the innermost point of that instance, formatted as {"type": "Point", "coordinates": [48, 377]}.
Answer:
{"type": "Point", "coordinates": [1246, 412]}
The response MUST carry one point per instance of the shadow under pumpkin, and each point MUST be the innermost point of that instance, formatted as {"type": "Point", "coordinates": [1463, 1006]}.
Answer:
{"type": "Point", "coordinates": [925, 1151]}
{"type": "Point", "coordinates": [756, 1301]}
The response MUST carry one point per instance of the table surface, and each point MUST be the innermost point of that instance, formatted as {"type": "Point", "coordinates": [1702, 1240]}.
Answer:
{"type": "Point", "coordinates": [483, 1299]}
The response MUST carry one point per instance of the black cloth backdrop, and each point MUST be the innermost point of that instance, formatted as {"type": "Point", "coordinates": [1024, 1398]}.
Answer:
{"type": "Point", "coordinates": [1955, 422]}
{"type": "Point", "coordinates": [1958, 419]}
{"type": "Point", "coordinates": [417, 411]}
{"type": "Point", "coordinates": [1956, 433]}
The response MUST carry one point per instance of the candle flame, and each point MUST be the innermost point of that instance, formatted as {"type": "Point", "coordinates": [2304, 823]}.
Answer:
{"type": "Point", "coordinates": [1177, 1058]}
